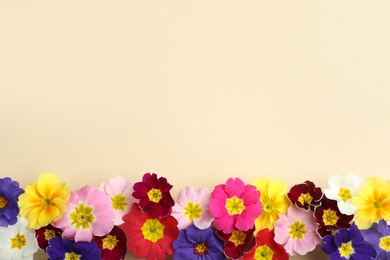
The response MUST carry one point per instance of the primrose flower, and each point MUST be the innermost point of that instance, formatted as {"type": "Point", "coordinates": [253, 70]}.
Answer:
{"type": "Point", "coordinates": [238, 243]}
{"type": "Point", "coordinates": [119, 191]}
{"type": "Point", "coordinates": [235, 205]}
{"type": "Point", "coordinates": [296, 231]}
{"type": "Point", "coordinates": [274, 200]}
{"type": "Point", "coordinates": [44, 201]}
{"type": "Point", "coordinates": [44, 234]}
{"type": "Point", "coordinates": [149, 237]}
{"type": "Point", "coordinates": [60, 249]}
{"type": "Point", "coordinates": [198, 244]}
{"type": "Point", "coordinates": [378, 236]}
{"type": "Point", "coordinates": [17, 241]}
{"type": "Point", "coordinates": [347, 244]}
{"type": "Point", "coordinates": [372, 202]}
{"type": "Point", "coordinates": [341, 189]}
{"type": "Point", "coordinates": [112, 245]}
{"type": "Point", "coordinates": [9, 193]}
{"type": "Point", "coordinates": [89, 214]}
{"type": "Point", "coordinates": [266, 248]}
{"type": "Point", "coordinates": [192, 206]}
{"type": "Point", "coordinates": [305, 195]}
{"type": "Point", "coordinates": [154, 195]}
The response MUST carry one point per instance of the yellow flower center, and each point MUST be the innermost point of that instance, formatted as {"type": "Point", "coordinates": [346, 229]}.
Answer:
{"type": "Point", "coordinates": [263, 253]}
{"type": "Point", "coordinates": [153, 230]}
{"type": "Point", "coordinates": [82, 216]}
{"type": "Point", "coordinates": [3, 202]}
{"type": "Point", "coordinates": [345, 194]}
{"type": "Point", "coordinates": [110, 242]}
{"type": "Point", "coordinates": [155, 195]}
{"type": "Point", "coordinates": [18, 241]}
{"type": "Point", "coordinates": [192, 211]}
{"type": "Point", "coordinates": [330, 217]}
{"type": "Point", "coordinates": [72, 256]}
{"type": "Point", "coordinates": [268, 207]}
{"type": "Point", "coordinates": [49, 234]}
{"type": "Point", "coordinates": [305, 198]}
{"type": "Point", "coordinates": [201, 248]}
{"type": "Point", "coordinates": [384, 243]}
{"type": "Point", "coordinates": [237, 237]}
{"type": "Point", "coordinates": [234, 205]}
{"type": "Point", "coordinates": [346, 249]}
{"type": "Point", "coordinates": [297, 230]}
{"type": "Point", "coordinates": [118, 202]}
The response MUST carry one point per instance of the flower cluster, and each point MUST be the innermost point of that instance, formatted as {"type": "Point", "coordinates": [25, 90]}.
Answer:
{"type": "Point", "coordinates": [235, 220]}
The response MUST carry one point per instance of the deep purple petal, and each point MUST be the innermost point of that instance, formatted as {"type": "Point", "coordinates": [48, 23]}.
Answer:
{"type": "Point", "coordinates": [328, 245]}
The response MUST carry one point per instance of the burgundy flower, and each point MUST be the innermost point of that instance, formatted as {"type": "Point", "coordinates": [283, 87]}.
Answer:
{"type": "Point", "coordinates": [44, 234]}
{"type": "Point", "coordinates": [330, 218]}
{"type": "Point", "coordinates": [154, 195]}
{"type": "Point", "coordinates": [305, 195]}
{"type": "Point", "coordinates": [112, 245]}
{"type": "Point", "coordinates": [237, 243]}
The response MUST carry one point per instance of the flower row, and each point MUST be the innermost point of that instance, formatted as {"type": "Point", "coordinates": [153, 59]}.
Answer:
{"type": "Point", "coordinates": [262, 220]}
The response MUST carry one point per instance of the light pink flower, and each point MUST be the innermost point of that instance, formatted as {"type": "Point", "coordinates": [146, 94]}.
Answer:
{"type": "Point", "coordinates": [192, 206]}
{"type": "Point", "coordinates": [296, 231]}
{"type": "Point", "coordinates": [235, 205]}
{"type": "Point", "coordinates": [89, 214]}
{"type": "Point", "coordinates": [119, 191]}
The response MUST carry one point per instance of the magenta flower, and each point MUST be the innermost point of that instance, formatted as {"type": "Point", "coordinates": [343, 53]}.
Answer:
{"type": "Point", "coordinates": [235, 205]}
{"type": "Point", "coordinates": [192, 206]}
{"type": "Point", "coordinates": [89, 214]}
{"type": "Point", "coordinates": [296, 231]}
{"type": "Point", "coordinates": [119, 191]}
{"type": "Point", "coordinates": [154, 195]}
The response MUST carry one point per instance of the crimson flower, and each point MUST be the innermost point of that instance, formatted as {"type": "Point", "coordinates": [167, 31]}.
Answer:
{"type": "Point", "coordinates": [305, 195]}
{"type": "Point", "coordinates": [149, 237]}
{"type": "Point", "coordinates": [266, 247]}
{"type": "Point", "coordinates": [112, 245]}
{"type": "Point", "coordinates": [44, 234]}
{"type": "Point", "coordinates": [154, 195]}
{"type": "Point", "coordinates": [330, 218]}
{"type": "Point", "coordinates": [237, 243]}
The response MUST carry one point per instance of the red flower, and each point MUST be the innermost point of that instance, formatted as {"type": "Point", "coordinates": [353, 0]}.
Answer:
{"type": "Point", "coordinates": [112, 245]}
{"type": "Point", "coordinates": [330, 218]}
{"type": "Point", "coordinates": [237, 243]}
{"type": "Point", "coordinates": [266, 247]}
{"type": "Point", "coordinates": [44, 234]}
{"type": "Point", "coordinates": [149, 237]}
{"type": "Point", "coordinates": [305, 195]}
{"type": "Point", "coordinates": [154, 195]}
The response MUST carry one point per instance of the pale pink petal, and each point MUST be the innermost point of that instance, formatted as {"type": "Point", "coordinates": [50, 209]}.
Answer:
{"type": "Point", "coordinates": [289, 246]}
{"type": "Point", "coordinates": [84, 235]}
{"type": "Point", "coordinates": [95, 196]}
{"type": "Point", "coordinates": [182, 198]}
{"type": "Point", "coordinates": [69, 232]}
{"type": "Point", "coordinates": [81, 193]}
{"type": "Point", "coordinates": [204, 221]}
{"type": "Point", "coordinates": [301, 247]}
{"type": "Point", "coordinates": [282, 227]}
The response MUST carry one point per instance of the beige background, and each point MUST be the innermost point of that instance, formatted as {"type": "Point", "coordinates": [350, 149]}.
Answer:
{"type": "Point", "coordinates": [196, 91]}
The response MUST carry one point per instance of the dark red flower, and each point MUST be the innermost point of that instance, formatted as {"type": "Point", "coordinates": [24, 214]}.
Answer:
{"type": "Point", "coordinates": [330, 218]}
{"type": "Point", "coordinates": [266, 247]}
{"type": "Point", "coordinates": [237, 243]}
{"type": "Point", "coordinates": [305, 195]}
{"type": "Point", "coordinates": [154, 195]}
{"type": "Point", "coordinates": [149, 237]}
{"type": "Point", "coordinates": [44, 234]}
{"type": "Point", "coordinates": [112, 245]}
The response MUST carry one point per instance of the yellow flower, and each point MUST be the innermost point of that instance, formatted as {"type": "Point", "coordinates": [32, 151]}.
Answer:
{"type": "Point", "coordinates": [44, 201]}
{"type": "Point", "coordinates": [372, 202]}
{"type": "Point", "coordinates": [274, 200]}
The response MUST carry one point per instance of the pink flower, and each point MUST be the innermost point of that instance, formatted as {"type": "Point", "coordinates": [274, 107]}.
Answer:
{"type": "Point", "coordinates": [89, 214]}
{"type": "Point", "coordinates": [235, 205]}
{"type": "Point", "coordinates": [296, 231]}
{"type": "Point", "coordinates": [119, 191]}
{"type": "Point", "coordinates": [192, 206]}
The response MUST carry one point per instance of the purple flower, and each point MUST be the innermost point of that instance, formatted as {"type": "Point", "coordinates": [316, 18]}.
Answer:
{"type": "Point", "coordinates": [198, 244]}
{"type": "Point", "coordinates": [9, 209]}
{"type": "Point", "coordinates": [379, 237]}
{"type": "Point", "coordinates": [60, 249]}
{"type": "Point", "coordinates": [347, 244]}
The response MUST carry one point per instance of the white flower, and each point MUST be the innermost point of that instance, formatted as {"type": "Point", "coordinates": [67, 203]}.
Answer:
{"type": "Point", "coordinates": [342, 188]}
{"type": "Point", "coordinates": [18, 241]}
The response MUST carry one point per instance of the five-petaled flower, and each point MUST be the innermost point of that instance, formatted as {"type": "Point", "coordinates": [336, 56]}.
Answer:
{"type": "Point", "coordinates": [112, 245]}
{"type": "Point", "coordinates": [235, 205]}
{"type": "Point", "coordinates": [378, 236]}
{"type": "Point", "coordinates": [305, 195]}
{"type": "Point", "coordinates": [9, 193]}
{"type": "Point", "coordinates": [44, 234]}
{"type": "Point", "coordinates": [64, 249]}
{"type": "Point", "coordinates": [237, 243]}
